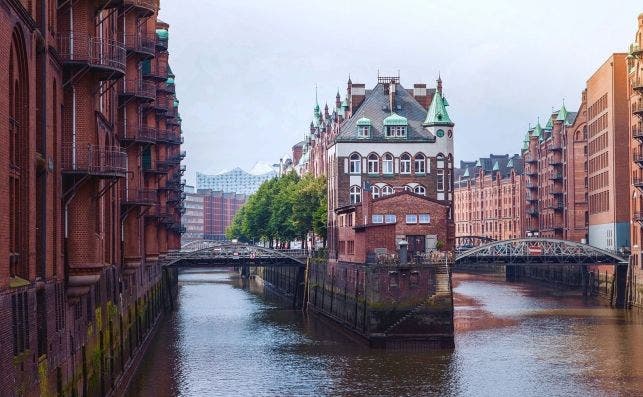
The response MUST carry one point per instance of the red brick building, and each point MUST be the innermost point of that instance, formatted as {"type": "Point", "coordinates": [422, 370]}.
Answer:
{"type": "Point", "coordinates": [218, 210]}
{"type": "Point", "coordinates": [490, 198]}
{"type": "Point", "coordinates": [93, 198]}
{"type": "Point", "coordinates": [556, 176]}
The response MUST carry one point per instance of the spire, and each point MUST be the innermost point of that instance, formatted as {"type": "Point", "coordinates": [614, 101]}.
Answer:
{"type": "Point", "coordinates": [349, 79]}
{"type": "Point", "coordinates": [562, 113]}
{"type": "Point", "coordinates": [439, 86]}
{"type": "Point", "coordinates": [496, 166]}
{"type": "Point", "coordinates": [537, 130]}
{"type": "Point", "coordinates": [437, 114]}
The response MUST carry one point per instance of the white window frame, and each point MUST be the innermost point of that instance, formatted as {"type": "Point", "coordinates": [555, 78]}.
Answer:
{"type": "Point", "coordinates": [375, 192]}
{"type": "Point", "coordinates": [440, 180]}
{"type": "Point", "coordinates": [419, 189]}
{"type": "Point", "coordinates": [424, 218]}
{"type": "Point", "coordinates": [377, 218]}
{"type": "Point", "coordinates": [411, 218]}
{"type": "Point", "coordinates": [387, 190]}
{"type": "Point", "coordinates": [420, 164]}
{"type": "Point", "coordinates": [363, 131]}
{"type": "Point", "coordinates": [405, 163]}
{"type": "Point", "coordinates": [355, 194]}
{"type": "Point", "coordinates": [396, 131]}
{"type": "Point", "coordinates": [355, 164]}
{"type": "Point", "coordinates": [390, 218]}
{"type": "Point", "coordinates": [387, 164]}
{"type": "Point", "coordinates": [373, 164]}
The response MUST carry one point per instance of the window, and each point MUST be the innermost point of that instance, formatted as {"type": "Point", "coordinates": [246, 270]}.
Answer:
{"type": "Point", "coordinates": [363, 131]}
{"type": "Point", "coordinates": [440, 160]}
{"type": "Point", "coordinates": [373, 164]}
{"type": "Point", "coordinates": [387, 190]}
{"type": "Point", "coordinates": [390, 218]}
{"type": "Point", "coordinates": [419, 189]}
{"type": "Point", "coordinates": [411, 218]}
{"type": "Point", "coordinates": [424, 218]}
{"type": "Point", "coordinates": [440, 180]}
{"type": "Point", "coordinates": [387, 164]}
{"type": "Point", "coordinates": [355, 194]}
{"type": "Point", "coordinates": [396, 131]}
{"type": "Point", "coordinates": [420, 164]}
{"type": "Point", "coordinates": [355, 163]}
{"type": "Point", "coordinates": [377, 218]}
{"type": "Point", "coordinates": [405, 164]}
{"type": "Point", "coordinates": [375, 191]}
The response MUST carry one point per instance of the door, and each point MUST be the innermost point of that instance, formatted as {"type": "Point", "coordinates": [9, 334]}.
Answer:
{"type": "Point", "coordinates": [416, 245]}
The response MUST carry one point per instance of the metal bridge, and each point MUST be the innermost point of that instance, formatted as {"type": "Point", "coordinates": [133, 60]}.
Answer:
{"type": "Point", "coordinates": [471, 241]}
{"type": "Point", "coordinates": [226, 254]}
{"type": "Point", "coordinates": [538, 251]}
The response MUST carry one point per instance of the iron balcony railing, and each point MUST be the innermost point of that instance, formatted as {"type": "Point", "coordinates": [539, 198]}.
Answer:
{"type": "Point", "coordinates": [141, 43]}
{"type": "Point", "coordinates": [134, 196]}
{"type": "Point", "coordinates": [556, 191]}
{"type": "Point", "coordinates": [531, 173]}
{"type": "Point", "coordinates": [556, 176]}
{"type": "Point", "coordinates": [636, 49]}
{"type": "Point", "coordinates": [637, 133]}
{"type": "Point", "coordinates": [530, 159]}
{"type": "Point", "coordinates": [138, 133]}
{"type": "Point", "coordinates": [637, 108]}
{"type": "Point", "coordinates": [158, 168]}
{"type": "Point", "coordinates": [146, 6]}
{"type": "Point", "coordinates": [554, 162]}
{"type": "Point", "coordinates": [555, 147]}
{"type": "Point", "coordinates": [638, 159]}
{"type": "Point", "coordinates": [155, 70]}
{"type": "Point", "coordinates": [556, 205]}
{"type": "Point", "coordinates": [637, 84]}
{"type": "Point", "coordinates": [161, 104]}
{"type": "Point", "coordinates": [166, 88]}
{"type": "Point", "coordinates": [532, 198]}
{"type": "Point", "coordinates": [94, 160]}
{"type": "Point", "coordinates": [83, 49]}
{"type": "Point", "coordinates": [532, 212]}
{"type": "Point", "coordinates": [169, 136]}
{"type": "Point", "coordinates": [638, 217]}
{"type": "Point", "coordinates": [138, 88]}
{"type": "Point", "coordinates": [637, 182]}
{"type": "Point", "coordinates": [532, 186]}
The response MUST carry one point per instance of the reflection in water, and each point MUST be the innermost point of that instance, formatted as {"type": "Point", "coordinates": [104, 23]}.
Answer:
{"type": "Point", "coordinates": [511, 339]}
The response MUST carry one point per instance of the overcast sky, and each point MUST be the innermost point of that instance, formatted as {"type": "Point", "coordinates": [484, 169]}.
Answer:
{"type": "Point", "coordinates": [246, 69]}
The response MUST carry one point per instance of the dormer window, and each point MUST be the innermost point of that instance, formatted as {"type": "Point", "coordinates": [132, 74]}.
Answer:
{"type": "Point", "coordinates": [363, 128]}
{"type": "Point", "coordinates": [395, 126]}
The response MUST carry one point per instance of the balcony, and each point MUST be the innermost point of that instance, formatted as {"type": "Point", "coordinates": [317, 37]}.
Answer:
{"type": "Point", "coordinates": [555, 162]}
{"type": "Point", "coordinates": [138, 197]}
{"type": "Point", "coordinates": [532, 186]}
{"type": "Point", "coordinates": [556, 191]}
{"type": "Point", "coordinates": [637, 84]}
{"type": "Point", "coordinates": [161, 104]}
{"type": "Point", "coordinates": [638, 217]}
{"type": "Point", "coordinates": [636, 49]}
{"type": "Point", "coordinates": [140, 89]}
{"type": "Point", "coordinates": [532, 212]}
{"type": "Point", "coordinates": [532, 199]}
{"type": "Point", "coordinates": [556, 206]}
{"type": "Point", "coordinates": [531, 173]}
{"type": "Point", "coordinates": [556, 176]}
{"type": "Point", "coordinates": [104, 57]}
{"type": "Point", "coordinates": [143, 44]}
{"type": "Point", "coordinates": [144, 8]}
{"type": "Point", "coordinates": [159, 212]}
{"type": "Point", "coordinates": [637, 182]}
{"type": "Point", "coordinates": [555, 147]}
{"type": "Point", "coordinates": [154, 169]}
{"type": "Point", "coordinates": [638, 159]}
{"type": "Point", "coordinates": [637, 109]}
{"type": "Point", "coordinates": [94, 160]}
{"type": "Point", "coordinates": [138, 134]}
{"type": "Point", "coordinates": [166, 88]}
{"type": "Point", "coordinates": [153, 69]}
{"type": "Point", "coordinates": [529, 159]}
{"type": "Point", "coordinates": [169, 136]}
{"type": "Point", "coordinates": [176, 197]}
{"type": "Point", "coordinates": [637, 133]}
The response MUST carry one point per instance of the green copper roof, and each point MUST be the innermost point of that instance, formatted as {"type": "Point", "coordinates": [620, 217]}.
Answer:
{"type": "Point", "coordinates": [364, 121]}
{"type": "Point", "coordinates": [562, 114]}
{"type": "Point", "coordinates": [176, 103]}
{"type": "Point", "coordinates": [549, 124]}
{"type": "Point", "coordinates": [510, 164]}
{"type": "Point", "coordinates": [466, 173]}
{"type": "Point", "coordinates": [478, 164]}
{"type": "Point", "coordinates": [169, 80]}
{"type": "Point", "coordinates": [395, 119]}
{"type": "Point", "coordinates": [496, 166]}
{"type": "Point", "coordinates": [525, 142]}
{"type": "Point", "coordinates": [162, 33]}
{"type": "Point", "coordinates": [344, 104]}
{"type": "Point", "coordinates": [437, 113]}
{"type": "Point", "coordinates": [537, 131]}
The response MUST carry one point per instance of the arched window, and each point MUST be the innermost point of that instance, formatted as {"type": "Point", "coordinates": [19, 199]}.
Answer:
{"type": "Point", "coordinates": [386, 190]}
{"type": "Point", "coordinates": [419, 189]}
{"type": "Point", "coordinates": [373, 164]}
{"type": "Point", "coordinates": [355, 194]}
{"type": "Point", "coordinates": [355, 163]}
{"type": "Point", "coordinates": [408, 188]}
{"type": "Point", "coordinates": [440, 160]}
{"type": "Point", "coordinates": [405, 163]}
{"type": "Point", "coordinates": [387, 163]}
{"type": "Point", "coordinates": [420, 163]}
{"type": "Point", "coordinates": [375, 191]}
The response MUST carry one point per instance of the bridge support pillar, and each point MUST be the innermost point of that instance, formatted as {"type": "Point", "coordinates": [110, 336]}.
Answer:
{"type": "Point", "coordinates": [512, 272]}
{"type": "Point", "coordinates": [245, 271]}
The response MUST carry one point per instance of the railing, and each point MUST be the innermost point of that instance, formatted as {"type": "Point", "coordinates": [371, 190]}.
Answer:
{"type": "Point", "coordinates": [556, 176]}
{"type": "Point", "coordinates": [556, 205]}
{"type": "Point", "coordinates": [162, 43]}
{"type": "Point", "coordinates": [556, 191]}
{"type": "Point", "coordinates": [166, 88]}
{"type": "Point", "coordinates": [139, 134]}
{"type": "Point", "coordinates": [531, 173]}
{"type": "Point", "coordinates": [532, 186]}
{"type": "Point", "coordinates": [638, 217]}
{"type": "Point", "coordinates": [159, 168]}
{"type": "Point", "coordinates": [530, 159]}
{"type": "Point", "coordinates": [555, 147]}
{"type": "Point", "coordinates": [554, 162]}
{"type": "Point", "coordinates": [637, 182]}
{"type": "Point", "coordinates": [532, 212]}
{"type": "Point", "coordinates": [161, 104]}
{"type": "Point", "coordinates": [94, 160]}
{"type": "Point", "coordinates": [635, 49]}
{"type": "Point", "coordinates": [155, 70]}
{"type": "Point", "coordinates": [637, 133]}
{"type": "Point", "coordinates": [637, 84]}
{"type": "Point", "coordinates": [148, 5]}
{"type": "Point", "coordinates": [637, 108]}
{"type": "Point", "coordinates": [531, 198]}
{"type": "Point", "coordinates": [94, 51]}
{"type": "Point", "coordinates": [637, 158]}
{"type": "Point", "coordinates": [144, 43]}
{"type": "Point", "coordinates": [139, 196]}
{"type": "Point", "coordinates": [139, 88]}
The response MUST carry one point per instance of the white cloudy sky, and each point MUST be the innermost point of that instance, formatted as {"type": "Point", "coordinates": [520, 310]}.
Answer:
{"type": "Point", "coordinates": [246, 69]}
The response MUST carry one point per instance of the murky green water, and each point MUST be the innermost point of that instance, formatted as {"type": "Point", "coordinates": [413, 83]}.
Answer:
{"type": "Point", "coordinates": [511, 340]}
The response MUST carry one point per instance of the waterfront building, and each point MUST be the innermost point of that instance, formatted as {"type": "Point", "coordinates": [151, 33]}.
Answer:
{"type": "Point", "coordinates": [219, 208]}
{"type": "Point", "coordinates": [235, 180]}
{"type": "Point", "coordinates": [93, 198]}
{"type": "Point", "coordinates": [193, 217]}
{"type": "Point", "coordinates": [392, 140]}
{"type": "Point", "coordinates": [635, 91]}
{"type": "Point", "coordinates": [555, 181]}
{"type": "Point", "coordinates": [490, 197]}
{"type": "Point", "coordinates": [608, 118]}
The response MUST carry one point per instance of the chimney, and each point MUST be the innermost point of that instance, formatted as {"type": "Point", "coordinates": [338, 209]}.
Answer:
{"type": "Point", "coordinates": [420, 95]}
{"type": "Point", "coordinates": [357, 95]}
{"type": "Point", "coordinates": [391, 96]}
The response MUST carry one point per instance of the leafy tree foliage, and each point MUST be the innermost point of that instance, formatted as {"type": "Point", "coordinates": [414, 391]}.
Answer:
{"type": "Point", "coordinates": [282, 210]}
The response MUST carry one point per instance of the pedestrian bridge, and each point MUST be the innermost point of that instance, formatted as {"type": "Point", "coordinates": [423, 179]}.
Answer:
{"type": "Point", "coordinates": [538, 251]}
{"type": "Point", "coordinates": [226, 254]}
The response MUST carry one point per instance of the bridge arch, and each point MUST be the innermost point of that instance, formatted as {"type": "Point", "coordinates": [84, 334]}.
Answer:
{"type": "Point", "coordinates": [224, 254]}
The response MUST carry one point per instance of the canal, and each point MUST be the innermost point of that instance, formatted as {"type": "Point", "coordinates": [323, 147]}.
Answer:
{"type": "Point", "coordinates": [511, 339]}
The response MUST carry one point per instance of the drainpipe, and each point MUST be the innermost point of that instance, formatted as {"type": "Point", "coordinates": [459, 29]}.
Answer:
{"type": "Point", "coordinates": [43, 132]}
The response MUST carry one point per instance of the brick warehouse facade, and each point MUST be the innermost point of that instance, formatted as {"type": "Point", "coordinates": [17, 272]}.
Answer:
{"type": "Point", "coordinates": [490, 198]}
{"type": "Point", "coordinates": [218, 210]}
{"type": "Point", "coordinates": [93, 198]}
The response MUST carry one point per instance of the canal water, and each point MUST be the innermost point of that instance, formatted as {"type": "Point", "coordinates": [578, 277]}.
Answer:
{"type": "Point", "coordinates": [512, 339]}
